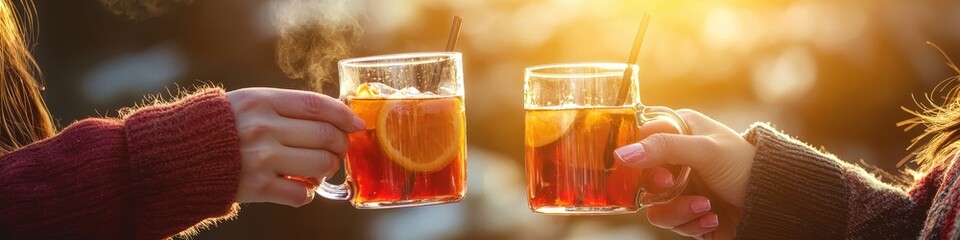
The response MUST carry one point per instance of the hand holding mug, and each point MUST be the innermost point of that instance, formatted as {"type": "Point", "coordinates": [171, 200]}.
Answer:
{"type": "Point", "coordinates": [286, 133]}
{"type": "Point", "coordinates": [721, 161]}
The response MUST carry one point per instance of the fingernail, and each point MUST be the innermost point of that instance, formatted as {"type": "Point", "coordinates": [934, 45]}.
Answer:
{"type": "Point", "coordinates": [665, 180]}
{"type": "Point", "coordinates": [709, 221]}
{"type": "Point", "coordinates": [632, 153]}
{"type": "Point", "coordinates": [358, 124]}
{"type": "Point", "coordinates": [700, 205]}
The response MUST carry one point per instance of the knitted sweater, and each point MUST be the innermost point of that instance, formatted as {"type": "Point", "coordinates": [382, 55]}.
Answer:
{"type": "Point", "coordinates": [798, 192]}
{"type": "Point", "coordinates": [155, 173]}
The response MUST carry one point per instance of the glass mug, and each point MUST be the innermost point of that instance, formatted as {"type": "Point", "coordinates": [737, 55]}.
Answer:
{"type": "Point", "coordinates": [413, 152]}
{"type": "Point", "coordinates": [573, 124]}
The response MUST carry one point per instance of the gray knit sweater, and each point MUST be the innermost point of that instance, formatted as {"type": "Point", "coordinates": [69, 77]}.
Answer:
{"type": "Point", "coordinates": [798, 192]}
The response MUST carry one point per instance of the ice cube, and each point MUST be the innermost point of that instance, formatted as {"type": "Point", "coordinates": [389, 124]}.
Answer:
{"type": "Point", "coordinates": [447, 91]}
{"type": "Point", "coordinates": [375, 90]}
{"type": "Point", "coordinates": [410, 91]}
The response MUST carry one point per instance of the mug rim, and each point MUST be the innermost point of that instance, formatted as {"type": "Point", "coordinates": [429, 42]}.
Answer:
{"type": "Point", "coordinates": [395, 59]}
{"type": "Point", "coordinates": [615, 69]}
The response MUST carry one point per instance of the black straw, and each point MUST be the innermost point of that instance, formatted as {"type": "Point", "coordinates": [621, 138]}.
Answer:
{"type": "Point", "coordinates": [634, 54]}
{"type": "Point", "coordinates": [625, 89]}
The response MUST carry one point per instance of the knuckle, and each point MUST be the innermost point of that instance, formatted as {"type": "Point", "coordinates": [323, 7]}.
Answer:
{"type": "Point", "coordinates": [333, 139]}
{"type": "Point", "coordinates": [705, 142]}
{"type": "Point", "coordinates": [661, 141]}
{"type": "Point", "coordinates": [708, 145]}
{"type": "Point", "coordinates": [266, 155]}
{"type": "Point", "coordinates": [253, 158]}
{"type": "Point", "coordinates": [329, 159]}
{"type": "Point", "coordinates": [325, 132]}
{"type": "Point", "coordinates": [315, 104]}
{"type": "Point", "coordinates": [245, 100]}
{"type": "Point", "coordinates": [691, 150]}
{"type": "Point", "coordinates": [329, 163]}
{"type": "Point", "coordinates": [257, 129]}
{"type": "Point", "coordinates": [344, 144]}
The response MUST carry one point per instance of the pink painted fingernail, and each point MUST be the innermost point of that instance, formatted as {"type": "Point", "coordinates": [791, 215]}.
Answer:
{"type": "Point", "coordinates": [665, 180]}
{"type": "Point", "coordinates": [358, 124]}
{"type": "Point", "coordinates": [632, 153]}
{"type": "Point", "coordinates": [700, 205]}
{"type": "Point", "coordinates": [709, 221]}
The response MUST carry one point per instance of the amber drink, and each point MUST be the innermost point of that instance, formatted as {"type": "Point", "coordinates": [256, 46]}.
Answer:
{"type": "Point", "coordinates": [573, 123]}
{"type": "Point", "coordinates": [568, 162]}
{"type": "Point", "coordinates": [413, 151]}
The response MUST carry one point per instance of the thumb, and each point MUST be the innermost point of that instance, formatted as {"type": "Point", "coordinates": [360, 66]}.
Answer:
{"type": "Point", "coordinates": [665, 148]}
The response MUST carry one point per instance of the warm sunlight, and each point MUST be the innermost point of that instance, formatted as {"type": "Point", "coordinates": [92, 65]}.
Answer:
{"type": "Point", "coordinates": [832, 73]}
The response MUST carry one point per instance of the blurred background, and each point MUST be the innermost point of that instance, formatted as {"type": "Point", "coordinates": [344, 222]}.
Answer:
{"type": "Point", "coordinates": [834, 74]}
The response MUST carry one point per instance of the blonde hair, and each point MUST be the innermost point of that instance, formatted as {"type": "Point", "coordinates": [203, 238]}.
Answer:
{"type": "Point", "coordinates": [941, 136]}
{"type": "Point", "coordinates": [24, 117]}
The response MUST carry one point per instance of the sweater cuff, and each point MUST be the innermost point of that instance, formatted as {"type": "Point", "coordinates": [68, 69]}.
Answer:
{"type": "Point", "coordinates": [184, 162]}
{"type": "Point", "coordinates": [794, 191]}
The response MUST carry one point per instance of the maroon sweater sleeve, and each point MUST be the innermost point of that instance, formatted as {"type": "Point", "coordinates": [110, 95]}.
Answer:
{"type": "Point", "coordinates": [159, 171]}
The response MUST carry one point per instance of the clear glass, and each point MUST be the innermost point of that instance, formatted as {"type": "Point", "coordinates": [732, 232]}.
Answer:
{"type": "Point", "coordinates": [413, 152]}
{"type": "Point", "coordinates": [574, 121]}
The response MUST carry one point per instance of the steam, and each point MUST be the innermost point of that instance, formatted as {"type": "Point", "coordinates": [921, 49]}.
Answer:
{"type": "Point", "coordinates": [141, 9]}
{"type": "Point", "coordinates": [313, 36]}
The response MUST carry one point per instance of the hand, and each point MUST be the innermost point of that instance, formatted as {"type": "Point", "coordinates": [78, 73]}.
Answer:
{"type": "Point", "coordinates": [721, 161]}
{"type": "Point", "coordinates": [288, 139]}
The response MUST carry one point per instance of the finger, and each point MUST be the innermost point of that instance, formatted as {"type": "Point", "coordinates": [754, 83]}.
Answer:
{"type": "Point", "coordinates": [657, 179]}
{"type": "Point", "coordinates": [665, 148]}
{"type": "Point", "coordinates": [310, 182]}
{"type": "Point", "coordinates": [304, 162]}
{"type": "Point", "coordinates": [298, 133]}
{"type": "Point", "coordinates": [697, 122]}
{"type": "Point", "coordinates": [317, 107]}
{"type": "Point", "coordinates": [698, 227]}
{"type": "Point", "coordinates": [662, 143]}
{"type": "Point", "coordinates": [287, 192]}
{"type": "Point", "coordinates": [680, 210]}
{"type": "Point", "coordinates": [657, 126]}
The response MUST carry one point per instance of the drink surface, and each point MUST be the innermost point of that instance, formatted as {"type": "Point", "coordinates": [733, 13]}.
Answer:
{"type": "Point", "coordinates": [412, 152]}
{"type": "Point", "coordinates": [570, 166]}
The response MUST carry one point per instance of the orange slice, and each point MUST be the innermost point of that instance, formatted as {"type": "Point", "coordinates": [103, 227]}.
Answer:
{"type": "Point", "coordinates": [545, 127]}
{"type": "Point", "coordinates": [421, 135]}
{"type": "Point", "coordinates": [592, 137]}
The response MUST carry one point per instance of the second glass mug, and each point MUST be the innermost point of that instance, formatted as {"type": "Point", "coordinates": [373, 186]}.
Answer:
{"type": "Point", "coordinates": [413, 152]}
{"type": "Point", "coordinates": [574, 121]}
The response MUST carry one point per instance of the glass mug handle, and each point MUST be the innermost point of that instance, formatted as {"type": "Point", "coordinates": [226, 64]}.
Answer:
{"type": "Point", "coordinates": [645, 114]}
{"type": "Point", "coordinates": [334, 191]}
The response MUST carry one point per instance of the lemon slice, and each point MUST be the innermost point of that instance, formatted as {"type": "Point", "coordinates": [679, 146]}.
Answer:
{"type": "Point", "coordinates": [546, 126]}
{"type": "Point", "coordinates": [421, 135]}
